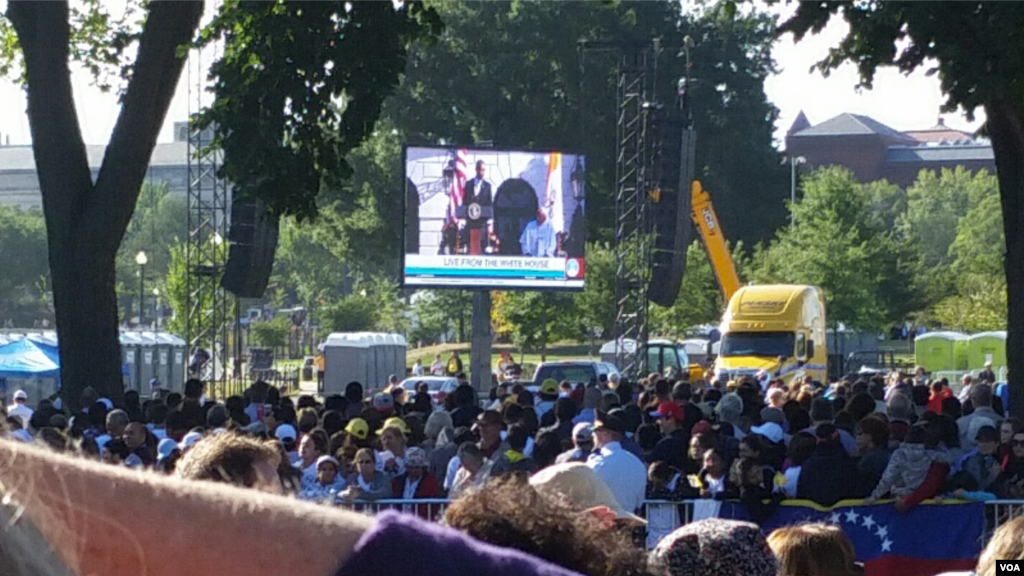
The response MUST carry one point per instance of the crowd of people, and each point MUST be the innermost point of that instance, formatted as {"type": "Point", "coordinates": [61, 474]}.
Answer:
{"type": "Point", "coordinates": [519, 468]}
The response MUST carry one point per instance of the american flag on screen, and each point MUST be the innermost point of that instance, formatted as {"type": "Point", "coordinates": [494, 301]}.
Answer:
{"type": "Point", "coordinates": [455, 195]}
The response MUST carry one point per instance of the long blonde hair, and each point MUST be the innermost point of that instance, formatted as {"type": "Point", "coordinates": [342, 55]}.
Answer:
{"type": "Point", "coordinates": [813, 550]}
{"type": "Point", "coordinates": [1006, 544]}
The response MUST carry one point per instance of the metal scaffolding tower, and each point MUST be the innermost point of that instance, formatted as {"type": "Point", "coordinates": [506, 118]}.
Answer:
{"type": "Point", "coordinates": [632, 204]}
{"type": "Point", "coordinates": [206, 252]}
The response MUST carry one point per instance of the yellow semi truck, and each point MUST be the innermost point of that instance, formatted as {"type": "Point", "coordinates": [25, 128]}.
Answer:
{"type": "Point", "coordinates": [778, 329]}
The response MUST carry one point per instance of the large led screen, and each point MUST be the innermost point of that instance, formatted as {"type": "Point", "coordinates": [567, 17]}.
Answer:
{"type": "Point", "coordinates": [488, 218]}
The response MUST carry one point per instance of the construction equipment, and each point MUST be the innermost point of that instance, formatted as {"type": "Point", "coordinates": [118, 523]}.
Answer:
{"type": "Point", "coordinates": [706, 221]}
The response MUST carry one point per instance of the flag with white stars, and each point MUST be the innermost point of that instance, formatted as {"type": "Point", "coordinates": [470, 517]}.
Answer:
{"type": "Point", "coordinates": [926, 540]}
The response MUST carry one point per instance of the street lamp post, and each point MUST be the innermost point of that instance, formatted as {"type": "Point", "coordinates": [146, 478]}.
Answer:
{"type": "Point", "coordinates": [141, 260]}
{"type": "Point", "coordinates": [793, 162]}
{"type": "Point", "coordinates": [158, 312]}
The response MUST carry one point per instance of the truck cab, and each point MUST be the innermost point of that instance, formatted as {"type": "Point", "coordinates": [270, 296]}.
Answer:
{"type": "Point", "coordinates": [779, 329]}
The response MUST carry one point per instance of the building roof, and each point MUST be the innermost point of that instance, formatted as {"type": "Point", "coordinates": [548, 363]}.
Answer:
{"type": "Point", "coordinates": [847, 124]}
{"type": "Point", "coordinates": [976, 151]}
{"type": "Point", "coordinates": [939, 133]}
{"type": "Point", "coordinates": [20, 158]}
{"type": "Point", "coordinates": [801, 123]}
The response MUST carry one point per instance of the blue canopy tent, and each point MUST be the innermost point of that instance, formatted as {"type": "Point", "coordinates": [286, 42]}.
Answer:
{"type": "Point", "coordinates": [48, 348]}
{"type": "Point", "coordinates": [27, 359]}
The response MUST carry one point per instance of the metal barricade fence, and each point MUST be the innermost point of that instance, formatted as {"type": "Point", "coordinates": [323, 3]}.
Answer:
{"type": "Point", "coordinates": [663, 516]}
{"type": "Point", "coordinates": [428, 508]}
{"type": "Point", "coordinates": [999, 512]}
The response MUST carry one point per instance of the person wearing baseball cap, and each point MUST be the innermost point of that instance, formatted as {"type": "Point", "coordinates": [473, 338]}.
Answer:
{"type": "Point", "coordinates": [583, 489]}
{"type": "Point", "coordinates": [583, 444]}
{"type": "Point", "coordinates": [357, 428]}
{"type": "Point", "coordinates": [288, 436]}
{"type": "Point", "coordinates": [488, 427]}
{"type": "Point", "coordinates": [624, 473]}
{"type": "Point", "coordinates": [20, 408]}
{"type": "Point", "coordinates": [675, 439]}
{"type": "Point", "coordinates": [548, 395]}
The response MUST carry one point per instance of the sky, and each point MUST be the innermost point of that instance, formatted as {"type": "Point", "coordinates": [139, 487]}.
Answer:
{"type": "Point", "coordinates": [901, 102]}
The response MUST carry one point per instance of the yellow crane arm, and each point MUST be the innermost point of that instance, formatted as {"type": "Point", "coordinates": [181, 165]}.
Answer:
{"type": "Point", "coordinates": [706, 221]}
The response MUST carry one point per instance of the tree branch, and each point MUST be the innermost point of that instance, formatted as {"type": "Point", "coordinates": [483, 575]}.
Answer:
{"type": "Point", "coordinates": [157, 69]}
{"type": "Point", "coordinates": [57, 146]}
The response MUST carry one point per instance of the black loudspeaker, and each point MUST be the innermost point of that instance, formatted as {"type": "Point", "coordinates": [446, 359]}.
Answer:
{"type": "Point", "coordinates": [253, 241]}
{"type": "Point", "coordinates": [672, 173]}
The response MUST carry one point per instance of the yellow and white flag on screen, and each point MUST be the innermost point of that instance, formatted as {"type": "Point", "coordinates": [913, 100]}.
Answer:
{"type": "Point", "coordinates": [553, 201]}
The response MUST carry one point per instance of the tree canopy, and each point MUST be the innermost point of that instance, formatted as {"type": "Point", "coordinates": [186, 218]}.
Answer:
{"type": "Point", "coordinates": [970, 45]}
{"type": "Point", "coordinates": [298, 86]}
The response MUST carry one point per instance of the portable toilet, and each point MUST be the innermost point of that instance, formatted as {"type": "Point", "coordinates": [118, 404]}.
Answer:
{"type": "Point", "coordinates": [169, 361]}
{"type": "Point", "coordinates": [961, 352]}
{"type": "Point", "coordinates": [396, 353]}
{"type": "Point", "coordinates": [346, 359]}
{"type": "Point", "coordinates": [987, 347]}
{"type": "Point", "coordinates": [366, 357]}
{"type": "Point", "coordinates": [179, 358]}
{"type": "Point", "coordinates": [148, 367]}
{"type": "Point", "coordinates": [939, 351]}
{"type": "Point", "coordinates": [131, 351]}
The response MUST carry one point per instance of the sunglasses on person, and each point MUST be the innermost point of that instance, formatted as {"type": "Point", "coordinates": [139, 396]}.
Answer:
{"type": "Point", "coordinates": [1017, 442]}
{"type": "Point", "coordinates": [367, 462]}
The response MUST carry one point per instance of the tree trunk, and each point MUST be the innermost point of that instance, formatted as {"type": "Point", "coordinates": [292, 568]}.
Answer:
{"type": "Point", "coordinates": [85, 222]}
{"type": "Point", "coordinates": [1005, 124]}
{"type": "Point", "coordinates": [90, 349]}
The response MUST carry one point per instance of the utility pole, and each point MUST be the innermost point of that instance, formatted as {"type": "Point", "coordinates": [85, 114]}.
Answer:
{"type": "Point", "coordinates": [481, 340]}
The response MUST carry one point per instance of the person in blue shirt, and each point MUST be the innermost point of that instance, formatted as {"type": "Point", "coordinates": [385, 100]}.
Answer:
{"type": "Point", "coordinates": [538, 238]}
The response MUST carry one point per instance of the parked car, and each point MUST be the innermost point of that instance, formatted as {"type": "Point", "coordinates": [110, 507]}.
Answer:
{"type": "Point", "coordinates": [575, 371]}
{"type": "Point", "coordinates": [440, 386]}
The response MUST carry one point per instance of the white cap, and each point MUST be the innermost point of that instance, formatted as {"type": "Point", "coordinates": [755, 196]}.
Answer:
{"type": "Point", "coordinates": [20, 395]}
{"type": "Point", "coordinates": [330, 459]}
{"type": "Point", "coordinates": [769, 430]}
{"type": "Point", "coordinates": [107, 403]}
{"type": "Point", "coordinates": [190, 440]}
{"type": "Point", "coordinates": [165, 447]}
{"type": "Point", "coordinates": [286, 433]}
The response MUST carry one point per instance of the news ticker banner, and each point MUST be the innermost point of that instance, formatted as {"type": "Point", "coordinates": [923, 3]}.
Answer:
{"type": "Point", "coordinates": [493, 271]}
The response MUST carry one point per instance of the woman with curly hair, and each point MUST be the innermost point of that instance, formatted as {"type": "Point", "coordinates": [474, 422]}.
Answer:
{"type": "Point", "coordinates": [511, 513]}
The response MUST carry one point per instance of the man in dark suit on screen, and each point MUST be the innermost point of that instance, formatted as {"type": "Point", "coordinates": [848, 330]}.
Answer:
{"type": "Point", "coordinates": [478, 191]}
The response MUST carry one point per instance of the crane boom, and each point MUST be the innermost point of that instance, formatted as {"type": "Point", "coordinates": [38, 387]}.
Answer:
{"type": "Point", "coordinates": [706, 221]}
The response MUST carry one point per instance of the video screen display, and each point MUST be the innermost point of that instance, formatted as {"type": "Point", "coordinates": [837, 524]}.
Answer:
{"type": "Point", "coordinates": [488, 218]}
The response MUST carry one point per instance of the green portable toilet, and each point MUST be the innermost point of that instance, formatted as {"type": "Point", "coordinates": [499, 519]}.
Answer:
{"type": "Point", "coordinates": [987, 347]}
{"type": "Point", "coordinates": [961, 351]}
{"type": "Point", "coordinates": [939, 351]}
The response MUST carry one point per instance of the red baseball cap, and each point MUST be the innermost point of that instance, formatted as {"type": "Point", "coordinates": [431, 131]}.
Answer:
{"type": "Point", "coordinates": [669, 408]}
{"type": "Point", "coordinates": [702, 427]}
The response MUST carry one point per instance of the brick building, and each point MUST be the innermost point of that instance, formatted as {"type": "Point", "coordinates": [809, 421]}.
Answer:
{"type": "Point", "coordinates": [873, 151]}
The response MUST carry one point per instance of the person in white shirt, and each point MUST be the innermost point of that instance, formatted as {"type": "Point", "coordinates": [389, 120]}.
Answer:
{"type": "Point", "coordinates": [20, 408]}
{"type": "Point", "coordinates": [437, 367]}
{"type": "Point", "coordinates": [538, 238]}
{"type": "Point", "coordinates": [623, 472]}
{"type": "Point", "coordinates": [417, 368]}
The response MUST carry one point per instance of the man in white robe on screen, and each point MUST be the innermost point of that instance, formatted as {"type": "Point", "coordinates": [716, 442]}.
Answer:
{"type": "Point", "coordinates": [538, 238]}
